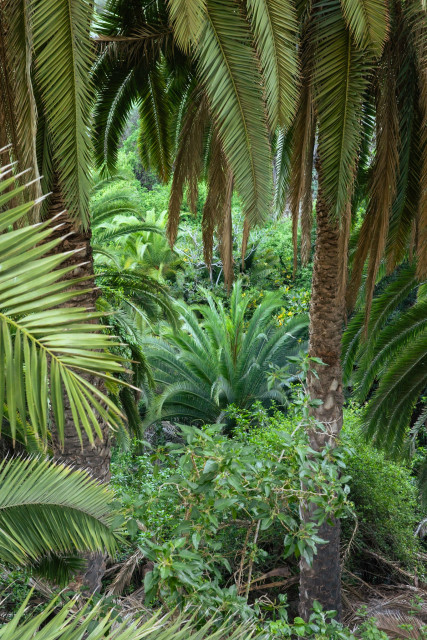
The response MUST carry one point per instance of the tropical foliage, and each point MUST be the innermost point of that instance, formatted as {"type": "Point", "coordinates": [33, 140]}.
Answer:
{"type": "Point", "coordinates": [57, 621]}
{"type": "Point", "coordinates": [327, 101]}
{"type": "Point", "coordinates": [46, 96]}
{"type": "Point", "coordinates": [45, 349]}
{"type": "Point", "coordinates": [48, 513]}
{"type": "Point", "coordinates": [390, 357]}
{"type": "Point", "coordinates": [224, 359]}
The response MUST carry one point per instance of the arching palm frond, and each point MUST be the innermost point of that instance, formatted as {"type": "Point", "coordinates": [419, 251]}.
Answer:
{"type": "Point", "coordinates": [341, 78]}
{"type": "Point", "coordinates": [44, 348]}
{"type": "Point", "coordinates": [391, 360]}
{"type": "Point", "coordinates": [367, 21]}
{"type": "Point", "coordinates": [221, 359]}
{"type": "Point", "coordinates": [63, 53]}
{"type": "Point", "coordinates": [275, 28]}
{"type": "Point", "coordinates": [48, 508]}
{"type": "Point", "coordinates": [226, 62]}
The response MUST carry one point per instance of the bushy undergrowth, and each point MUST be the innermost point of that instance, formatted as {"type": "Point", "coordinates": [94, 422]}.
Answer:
{"type": "Point", "coordinates": [383, 492]}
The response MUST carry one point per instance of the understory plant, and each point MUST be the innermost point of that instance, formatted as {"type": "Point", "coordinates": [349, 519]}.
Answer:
{"type": "Point", "coordinates": [219, 357]}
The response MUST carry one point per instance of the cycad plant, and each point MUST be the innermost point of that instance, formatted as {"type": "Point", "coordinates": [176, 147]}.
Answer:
{"type": "Point", "coordinates": [220, 357]}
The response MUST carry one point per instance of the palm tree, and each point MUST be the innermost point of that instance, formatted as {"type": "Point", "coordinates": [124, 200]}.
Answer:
{"type": "Point", "coordinates": [222, 359]}
{"type": "Point", "coordinates": [355, 67]}
{"type": "Point", "coordinates": [355, 63]}
{"type": "Point", "coordinates": [195, 77]}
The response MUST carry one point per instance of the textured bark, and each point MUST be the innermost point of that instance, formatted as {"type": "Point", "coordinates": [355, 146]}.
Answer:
{"type": "Point", "coordinates": [321, 581]}
{"type": "Point", "coordinates": [94, 458]}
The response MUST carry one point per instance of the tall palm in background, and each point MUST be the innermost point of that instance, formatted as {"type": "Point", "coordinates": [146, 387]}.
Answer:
{"type": "Point", "coordinates": [194, 76]}
{"type": "Point", "coordinates": [354, 98]}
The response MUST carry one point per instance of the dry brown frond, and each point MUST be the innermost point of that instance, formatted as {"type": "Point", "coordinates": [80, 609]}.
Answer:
{"type": "Point", "coordinates": [421, 244]}
{"type": "Point", "coordinates": [245, 238]}
{"type": "Point", "coordinates": [213, 210]}
{"type": "Point", "coordinates": [226, 245]}
{"type": "Point", "coordinates": [307, 202]}
{"type": "Point", "coordinates": [188, 158]}
{"type": "Point", "coordinates": [373, 233]}
{"type": "Point", "coordinates": [343, 251]}
{"type": "Point", "coordinates": [302, 155]}
{"type": "Point", "coordinates": [125, 573]}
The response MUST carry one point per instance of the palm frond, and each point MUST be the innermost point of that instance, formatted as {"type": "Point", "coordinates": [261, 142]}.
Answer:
{"type": "Point", "coordinates": [388, 414]}
{"type": "Point", "coordinates": [368, 22]}
{"type": "Point", "coordinates": [227, 64]}
{"type": "Point", "coordinates": [190, 153]}
{"type": "Point", "coordinates": [63, 59]}
{"type": "Point", "coordinates": [71, 621]}
{"type": "Point", "coordinates": [43, 348]}
{"type": "Point", "coordinates": [47, 507]}
{"type": "Point", "coordinates": [187, 17]}
{"type": "Point", "coordinates": [155, 132]}
{"type": "Point", "coordinates": [301, 163]}
{"type": "Point", "coordinates": [274, 25]}
{"type": "Point", "coordinates": [405, 204]}
{"type": "Point", "coordinates": [373, 233]}
{"type": "Point", "coordinates": [18, 41]}
{"type": "Point", "coordinates": [383, 308]}
{"type": "Point", "coordinates": [341, 78]}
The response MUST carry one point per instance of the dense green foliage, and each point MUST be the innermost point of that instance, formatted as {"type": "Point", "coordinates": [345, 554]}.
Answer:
{"type": "Point", "coordinates": [190, 359]}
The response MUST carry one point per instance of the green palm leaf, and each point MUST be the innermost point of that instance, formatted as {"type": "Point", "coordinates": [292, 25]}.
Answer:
{"type": "Point", "coordinates": [227, 65]}
{"type": "Point", "coordinates": [368, 22]}
{"type": "Point", "coordinates": [42, 347]}
{"type": "Point", "coordinates": [341, 78]}
{"type": "Point", "coordinates": [187, 17]}
{"type": "Point", "coordinates": [275, 27]}
{"type": "Point", "coordinates": [49, 508]}
{"type": "Point", "coordinates": [62, 622]}
{"type": "Point", "coordinates": [63, 60]}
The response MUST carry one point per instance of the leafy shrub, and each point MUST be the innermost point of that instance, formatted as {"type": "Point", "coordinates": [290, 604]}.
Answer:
{"type": "Point", "coordinates": [385, 496]}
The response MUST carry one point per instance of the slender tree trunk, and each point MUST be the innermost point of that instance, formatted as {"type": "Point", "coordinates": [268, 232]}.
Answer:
{"type": "Point", "coordinates": [94, 458]}
{"type": "Point", "coordinates": [322, 581]}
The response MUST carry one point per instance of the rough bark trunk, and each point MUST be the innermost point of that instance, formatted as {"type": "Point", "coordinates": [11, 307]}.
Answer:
{"type": "Point", "coordinates": [94, 458]}
{"type": "Point", "coordinates": [322, 580]}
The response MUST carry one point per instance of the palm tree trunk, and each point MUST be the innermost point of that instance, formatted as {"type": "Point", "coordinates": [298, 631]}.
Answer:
{"type": "Point", "coordinates": [322, 580]}
{"type": "Point", "coordinates": [94, 458]}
